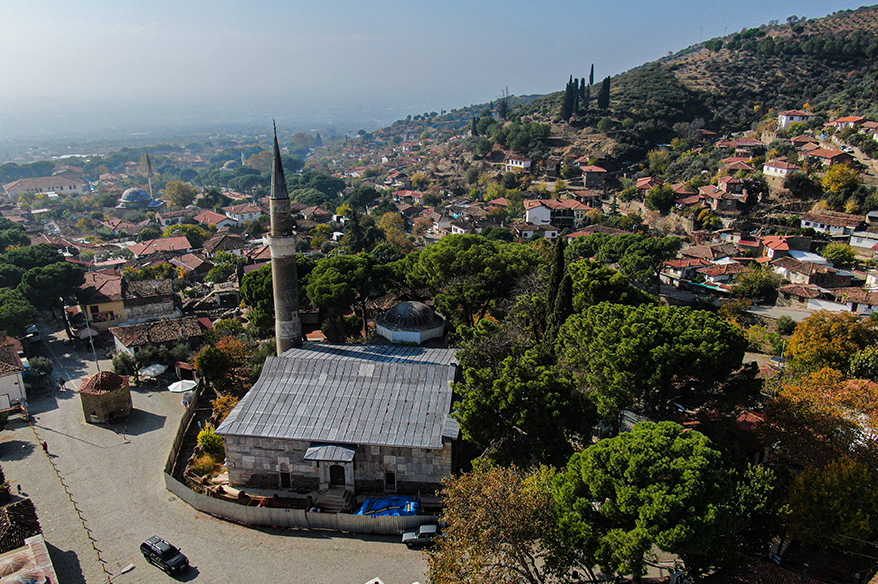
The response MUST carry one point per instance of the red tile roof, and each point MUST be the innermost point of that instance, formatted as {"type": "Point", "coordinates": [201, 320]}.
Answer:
{"type": "Point", "coordinates": [211, 218]}
{"type": "Point", "coordinates": [179, 243]}
{"type": "Point", "coordinates": [103, 382]}
{"type": "Point", "coordinates": [162, 331]}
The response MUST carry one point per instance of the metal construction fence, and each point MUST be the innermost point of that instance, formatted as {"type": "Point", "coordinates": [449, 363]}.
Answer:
{"type": "Point", "coordinates": [299, 518]}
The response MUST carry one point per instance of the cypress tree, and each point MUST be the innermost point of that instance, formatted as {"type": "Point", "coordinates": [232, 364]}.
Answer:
{"type": "Point", "coordinates": [591, 75]}
{"type": "Point", "coordinates": [574, 89]}
{"type": "Point", "coordinates": [567, 106]}
{"type": "Point", "coordinates": [475, 128]}
{"type": "Point", "coordinates": [562, 309]}
{"type": "Point", "coordinates": [559, 268]}
{"type": "Point", "coordinates": [604, 95]}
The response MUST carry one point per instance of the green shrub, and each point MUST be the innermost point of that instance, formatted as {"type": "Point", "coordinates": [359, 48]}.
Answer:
{"type": "Point", "coordinates": [211, 442]}
{"type": "Point", "coordinates": [124, 364]}
{"type": "Point", "coordinates": [785, 325]}
{"type": "Point", "coordinates": [203, 465]}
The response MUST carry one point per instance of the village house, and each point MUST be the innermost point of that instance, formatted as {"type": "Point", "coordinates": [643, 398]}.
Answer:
{"type": "Point", "coordinates": [517, 163]}
{"type": "Point", "coordinates": [167, 331]}
{"type": "Point", "coordinates": [408, 196]}
{"type": "Point", "coordinates": [724, 273]}
{"type": "Point", "coordinates": [12, 390]}
{"type": "Point", "coordinates": [315, 213]}
{"type": "Point", "coordinates": [834, 225]}
{"type": "Point", "coordinates": [674, 272]}
{"type": "Point", "coordinates": [846, 122]}
{"type": "Point", "coordinates": [243, 212]}
{"type": "Point", "coordinates": [175, 217]}
{"type": "Point", "coordinates": [647, 183]}
{"type": "Point", "coordinates": [777, 246]}
{"type": "Point", "coordinates": [209, 218]}
{"type": "Point", "coordinates": [563, 213]}
{"type": "Point", "coordinates": [829, 157]}
{"type": "Point", "coordinates": [177, 244]}
{"type": "Point", "coordinates": [120, 226]}
{"type": "Point", "coordinates": [192, 263]}
{"type": "Point", "coordinates": [855, 300]}
{"type": "Point", "coordinates": [361, 418]}
{"type": "Point", "coordinates": [111, 300]}
{"type": "Point", "coordinates": [865, 239]}
{"type": "Point", "coordinates": [788, 117]}
{"type": "Point", "coordinates": [61, 184]}
{"type": "Point", "coordinates": [226, 242]}
{"type": "Point", "coordinates": [779, 167]}
{"type": "Point", "coordinates": [798, 272]}
{"type": "Point", "coordinates": [593, 176]}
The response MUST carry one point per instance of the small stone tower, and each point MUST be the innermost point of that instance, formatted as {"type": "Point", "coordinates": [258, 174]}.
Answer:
{"type": "Point", "coordinates": [288, 326]}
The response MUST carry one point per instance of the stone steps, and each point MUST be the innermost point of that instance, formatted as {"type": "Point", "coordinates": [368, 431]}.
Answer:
{"type": "Point", "coordinates": [334, 500]}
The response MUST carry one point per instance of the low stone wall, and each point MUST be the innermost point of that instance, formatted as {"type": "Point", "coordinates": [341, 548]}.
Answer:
{"type": "Point", "coordinates": [298, 518]}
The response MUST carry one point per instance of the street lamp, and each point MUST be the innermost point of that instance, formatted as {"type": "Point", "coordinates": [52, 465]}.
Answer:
{"type": "Point", "coordinates": [125, 570]}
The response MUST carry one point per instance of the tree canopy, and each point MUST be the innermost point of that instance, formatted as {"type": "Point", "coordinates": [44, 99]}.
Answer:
{"type": "Point", "coordinates": [828, 339]}
{"type": "Point", "coordinates": [342, 281]}
{"type": "Point", "coordinates": [500, 529]}
{"type": "Point", "coordinates": [523, 412]}
{"type": "Point", "coordinates": [469, 272]}
{"type": "Point", "coordinates": [180, 194]}
{"type": "Point", "coordinates": [15, 312]}
{"type": "Point", "coordinates": [43, 286]}
{"type": "Point", "coordinates": [659, 485]}
{"type": "Point", "coordinates": [648, 356]}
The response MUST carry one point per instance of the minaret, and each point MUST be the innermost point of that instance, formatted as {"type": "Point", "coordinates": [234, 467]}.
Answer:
{"type": "Point", "coordinates": [287, 325]}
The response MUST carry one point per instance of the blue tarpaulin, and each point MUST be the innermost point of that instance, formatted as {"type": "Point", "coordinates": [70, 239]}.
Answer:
{"type": "Point", "coordinates": [390, 506]}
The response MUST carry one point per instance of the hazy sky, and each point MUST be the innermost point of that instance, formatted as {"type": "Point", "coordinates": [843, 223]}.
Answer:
{"type": "Point", "coordinates": [386, 59]}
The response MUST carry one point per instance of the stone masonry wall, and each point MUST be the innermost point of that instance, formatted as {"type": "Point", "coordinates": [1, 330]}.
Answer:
{"type": "Point", "coordinates": [256, 463]}
{"type": "Point", "coordinates": [149, 311]}
{"type": "Point", "coordinates": [415, 467]}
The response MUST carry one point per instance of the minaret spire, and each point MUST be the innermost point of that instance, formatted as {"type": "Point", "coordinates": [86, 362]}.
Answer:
{"type": "Point", "coordinates": [282, 242]}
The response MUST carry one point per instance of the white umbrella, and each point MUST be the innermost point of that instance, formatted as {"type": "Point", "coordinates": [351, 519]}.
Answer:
{"type": "Point", "coordinates": [153, 370]}
{"type": "Point", "coordinates": [182, 386]}
{"type": "Point", "coordinates": [86, 333]}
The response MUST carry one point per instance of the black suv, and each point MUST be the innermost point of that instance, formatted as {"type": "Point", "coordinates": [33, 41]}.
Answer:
{"type": "Point", "coordinates": [159, 552]}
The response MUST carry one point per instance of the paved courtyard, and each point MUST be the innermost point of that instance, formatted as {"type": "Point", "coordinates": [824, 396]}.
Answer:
{"type": "Point", "coordinates": [114, 477]}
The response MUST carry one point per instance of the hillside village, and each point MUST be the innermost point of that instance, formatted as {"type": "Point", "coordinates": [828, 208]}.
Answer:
{"type": "Point", "coordinates": [593, 295]}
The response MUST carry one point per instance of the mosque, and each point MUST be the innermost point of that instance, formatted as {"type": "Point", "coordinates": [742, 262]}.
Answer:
{"type": "Point", "coordinates": [370, 418]}
{"type": "Point", "coordinates": [135, 198]}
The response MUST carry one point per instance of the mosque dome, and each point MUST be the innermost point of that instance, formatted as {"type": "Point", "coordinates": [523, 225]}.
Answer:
{"type": "Point", "coordinates": [410, 322]}
{"type": "Point", "coordinates": [135, 195]}
{"type": "Point", "coordinates": [231, 165]}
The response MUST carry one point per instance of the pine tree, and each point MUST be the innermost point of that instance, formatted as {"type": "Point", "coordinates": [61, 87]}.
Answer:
{"type": "Point", "coordinates": [604, 95]}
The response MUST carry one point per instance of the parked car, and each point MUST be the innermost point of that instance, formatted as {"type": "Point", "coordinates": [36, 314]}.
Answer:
{"type": "Point", "coordinates": [167, 557]}
{"type": "Point", "coordinates": [424, 536]}
{"type": "Point", "coordinates": [33, 334]}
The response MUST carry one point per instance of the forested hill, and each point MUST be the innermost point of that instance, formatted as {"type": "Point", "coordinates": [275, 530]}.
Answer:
{"type": "Point", "coordinates": [731, 83]}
